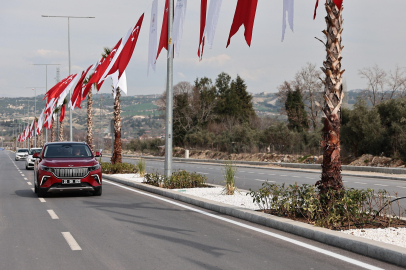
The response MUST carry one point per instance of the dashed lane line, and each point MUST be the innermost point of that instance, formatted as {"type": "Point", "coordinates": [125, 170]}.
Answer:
{"type": "Point", "coordinates": [22, 175]}
{"type": "Point", "coordinates": [71, 241]}
{"type": "Point", "coordinates": [33, 190]}
{"type": "Point", "coordinates": [260, 180]}
{"type": "Point", "coordinates": [282, 175]}
{"type": "Point", "coordinates": [25, 178]}
{"type": "Point", "coordinates": [380, 185]}
{"type": "Point", "coordinates": [400, 187]}
{"type": "Point", "coordinates": [296, 176]}
{"type": "Point", "coordinates": [29, 183]}
{"type": "Point", "coordinates": [41, 199]}
{"type": "Point", "coordinates": [360, 183]}
{"type": "Point", "coordinates": [202, 173]}
{"type": "Point", "coordinates": [52, 214]}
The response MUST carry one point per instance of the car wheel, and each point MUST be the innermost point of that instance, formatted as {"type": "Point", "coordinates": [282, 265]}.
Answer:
{"type": "Point", "coordinates": [98, 193]}
{"type": "Point", "coordinates": [35, 189]}
{"type": "Point", "coordinates": [40, 193]}
{"type": "Point", "coordinates": [26, 167]}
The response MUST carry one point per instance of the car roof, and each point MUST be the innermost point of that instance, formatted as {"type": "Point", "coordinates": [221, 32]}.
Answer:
{"type": "Point", "coordinates": [51, 143]}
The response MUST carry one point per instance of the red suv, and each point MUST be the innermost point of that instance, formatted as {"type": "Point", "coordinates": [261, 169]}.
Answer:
{"type": "Point", "coordinates": [66, 166]}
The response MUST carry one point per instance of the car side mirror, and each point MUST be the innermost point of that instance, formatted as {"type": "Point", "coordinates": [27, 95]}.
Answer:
{"type": "Point", "coordinates": [97, 154]}
{"type": "Point", "coordinates": [36, 155]}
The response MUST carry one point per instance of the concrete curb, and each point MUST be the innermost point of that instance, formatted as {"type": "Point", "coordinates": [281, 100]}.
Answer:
{"type": "Point", "coordinates": [243, 164]}
{"type": "Point", "coordinates": [370, 248]}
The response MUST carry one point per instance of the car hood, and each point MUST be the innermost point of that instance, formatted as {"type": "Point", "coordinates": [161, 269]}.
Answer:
{"type": "Point", "coordinates": [68, 162]}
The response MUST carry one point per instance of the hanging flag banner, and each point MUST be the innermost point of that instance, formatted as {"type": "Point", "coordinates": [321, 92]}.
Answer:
{"type": "Point", "coordinates": [163, 41]}
{"type": "Point", "coordinates": [40, 121]}
{"type": "Point", "coordinates": [76, 98]}
{"type": "Point", "coordinates": [288, 7]}
{"type": "Point", "coordinates": [153, 36]}
{"type": "Point", "coordinates": [178, 21]}
{"type": "Point", "coordinates": [208, 25]}
{"type": "Point", "coordinates": [244, 15]}
{"type": "Point", "coordinates": [62, 114]}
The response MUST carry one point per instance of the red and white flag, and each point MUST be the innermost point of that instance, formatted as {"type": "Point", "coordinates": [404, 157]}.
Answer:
{"type": "Point", "coordinates": [76, 98]}
{"type": "Point", "coordinates": [62, 116]}
{"type": "Point", "coordinates": [208, 25]}
{"type": "Point", "coordinates": [124, 53]}
{"type": "Point", "coordinates": [40, 122]}
{"type": "Point", "coordinates": [163, 41]}
{"type": "Point", "coordinates": [338, 3]}
{"type": "Point", "coordinates": [66, 89]}
{"type": "Point", "coordinates": [244, 15]}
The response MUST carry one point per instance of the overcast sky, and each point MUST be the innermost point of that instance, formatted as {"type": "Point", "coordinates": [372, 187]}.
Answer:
{"type": "Point", "coordinates": [373, 34]}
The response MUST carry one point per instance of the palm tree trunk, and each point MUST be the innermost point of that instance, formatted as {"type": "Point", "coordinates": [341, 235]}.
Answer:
{"type": "Point", "coordinates": [116, 157]}
{"type": "Point", "coordinates": [333, 95]}
{"type": "Point", "coordinates": [53, 131]}
{"type": "Point", "coordinates": [61, 131]}
{"type": "Point", "coordinates": [89, 134]}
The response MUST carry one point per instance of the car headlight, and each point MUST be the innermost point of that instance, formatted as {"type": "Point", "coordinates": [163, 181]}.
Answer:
{"type": "Point", "coordinates": [45, 168]}
{"type": "Point", "coordinates": [93, 168]}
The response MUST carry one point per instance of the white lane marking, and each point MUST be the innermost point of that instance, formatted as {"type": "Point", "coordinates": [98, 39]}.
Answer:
{"type": "Point", "coordinates": [242, 171]}
{"type": "Point", "coordinates": [202, 173]}
{"type": "Point", "coordinates": [310, 178]}
{"type": "Point", "coordinates": [41, 199]}
{"type": "Point", "coordinates": [381, 185]}
{"type": "Point", "coordinates": [29, 183]}
{"type": "Point", "coordinates": [360, 183]}
{"type": "Point", "coordinates": [33, 190]}
{"type": "Point", "coordinates": [401, 187]}
{"type": "Point", "coordinates": [345, 181]}
{"type": "Point", "coordinates": [52, 214]}
{"type": "Point", "coordinates": [260, 180]}
{"type": "Point", "coordinates": [250, 172]}
{"type": "Point", "coordinates": [71, 241]}
{"type": "Point", "coordinates": [25, 178]}
{"type": "Point", "coordinates": [275, 235]}
{"type": "Point", "coordinates": [22, 175]}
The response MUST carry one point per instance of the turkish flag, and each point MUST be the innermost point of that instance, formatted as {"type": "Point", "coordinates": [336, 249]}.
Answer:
{"type": "Point", "coordinates": [126, 53]}
{"type": "Point", "coordinates": [57, 90]}
{"type": "Point", "coordinates": [203, 11]}
{"type": "Point", "coordinates": [338, 3]}
{"type": "Point", "coordinates": [102, 68]}
{"type": "Point", "coordinates": [163, 40]}
{"type": "Point", "coordinates": [77, 92]}
{"type": "Point", "coordinates": [244, 15]}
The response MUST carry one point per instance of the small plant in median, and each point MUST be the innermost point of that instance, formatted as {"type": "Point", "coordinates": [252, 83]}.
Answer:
{"type": "Point", "coordinates": [350, 208]}
{"type": "Point", "coordinates": [178, 179]}
{"type": "Point", "coordinates": [229, 178]}
{"type": "Point", "coordinates": [141, 167]}
{"type": "Point", "coordinates": [109, 168]}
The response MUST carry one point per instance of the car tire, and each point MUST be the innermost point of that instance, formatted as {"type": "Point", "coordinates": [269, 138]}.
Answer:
{"type": "Point", "coordinates": [40, 193]}
{"type": "Point", "coordinates": [35, 189]}
{"type": "Point", "coordinates": [98, 193]}
{"type": "Point", "coordinates": [26, 167]}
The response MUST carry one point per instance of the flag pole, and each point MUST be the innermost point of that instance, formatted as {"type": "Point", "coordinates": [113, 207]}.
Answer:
{"type": "Point", "coordinates": [169, 96]}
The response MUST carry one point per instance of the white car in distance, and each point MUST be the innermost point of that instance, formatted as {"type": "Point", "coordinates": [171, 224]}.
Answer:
{"type": "Point", "coordinates": [29, 162]}
{"type": "Point", "coordinates": [21, 153]}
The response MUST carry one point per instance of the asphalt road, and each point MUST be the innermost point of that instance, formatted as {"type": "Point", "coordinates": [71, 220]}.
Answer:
{"type": "Point", "coordinates": [252, 178]}
{"type": "Point", "coordinates": [129, 229]}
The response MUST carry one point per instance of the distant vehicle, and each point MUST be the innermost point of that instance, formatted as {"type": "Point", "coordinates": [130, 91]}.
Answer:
{"type": "Point", "coordinates": [66, 166]}
{"type": "Point", "coordinates": [1, 148]}
{"type": "Point", "coordinates": [29, 161]}
{"type": "Point", "coordinates": [21, 153]}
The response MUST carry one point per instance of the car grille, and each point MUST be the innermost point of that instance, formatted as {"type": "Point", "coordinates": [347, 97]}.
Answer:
{"type": "Point", "coordinates": [70, 172]}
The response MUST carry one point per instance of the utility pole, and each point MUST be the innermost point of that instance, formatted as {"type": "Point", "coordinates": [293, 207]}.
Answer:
{"type": "Point", "coordinates": [35, 112]}
{"type": "Point", "coordinates": [169, 96]}
{"type": "Point", "coordinates": [70, 91]}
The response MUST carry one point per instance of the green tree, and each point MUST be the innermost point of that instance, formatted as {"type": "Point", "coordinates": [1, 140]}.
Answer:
{"type": "Point", "coordinates": [295, 109]}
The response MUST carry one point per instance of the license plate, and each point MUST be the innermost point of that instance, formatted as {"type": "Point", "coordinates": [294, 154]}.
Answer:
{"type": "Point", "coordinates": [71, 181]}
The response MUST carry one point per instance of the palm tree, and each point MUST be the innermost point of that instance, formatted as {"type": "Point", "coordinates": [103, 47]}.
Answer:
{"type": "Point", "coordinates": [89, 133]}
{"type": "Point", "coordinates": [116, 156]}
{"type": "Point", "coordinates": [333, 95]}
{"type": "Point", "coordinates": [56, 111]}
{"type": "Point", "coordinates": [61, 139]}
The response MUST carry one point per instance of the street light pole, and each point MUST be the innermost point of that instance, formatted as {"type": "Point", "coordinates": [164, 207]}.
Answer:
{"type": "Point", "coordinates": [46, 87]}
{"type": "Point", "coordinates": [70, 91]}
{"type": "Point", "coordinates": [35, 112]}
{"type": "Point", "coordinates": [169, 96]}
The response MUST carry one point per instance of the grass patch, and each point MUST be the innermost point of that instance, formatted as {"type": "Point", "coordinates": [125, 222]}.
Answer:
{"type": "Point", "coordinates": [109, 168]}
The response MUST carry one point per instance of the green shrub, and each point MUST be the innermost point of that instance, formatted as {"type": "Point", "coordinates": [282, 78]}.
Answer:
{"type": "Point", "coordinates": [109, 168]}
{"type": "Point", "coordinates": [179, 179]}
{"type": "Point", "coordinates": [334, 210]}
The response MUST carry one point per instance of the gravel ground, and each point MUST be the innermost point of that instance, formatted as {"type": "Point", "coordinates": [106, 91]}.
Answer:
{"type": "Point", "coordinates": [395, 236]}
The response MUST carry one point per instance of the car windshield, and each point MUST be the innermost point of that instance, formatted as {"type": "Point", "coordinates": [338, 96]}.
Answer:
{"type": "Point", "coordinates": [22, 150]}
{"type": "Point", "coordinates": [33, 151]}
{"type": "Point", "coordinates": [67, 151]}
